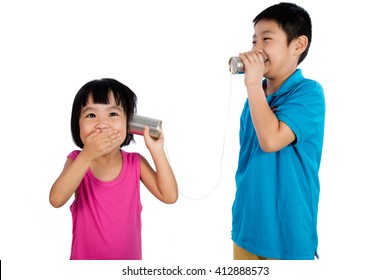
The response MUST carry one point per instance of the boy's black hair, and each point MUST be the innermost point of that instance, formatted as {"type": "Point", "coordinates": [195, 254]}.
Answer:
{"type": "Point", "coordinates": [99, 91]}
{"type": "Point", "coordinates": [292, 19]}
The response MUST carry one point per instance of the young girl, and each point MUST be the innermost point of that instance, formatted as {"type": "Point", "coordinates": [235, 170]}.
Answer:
{"type": "Point", "coordinates": [105, 179]}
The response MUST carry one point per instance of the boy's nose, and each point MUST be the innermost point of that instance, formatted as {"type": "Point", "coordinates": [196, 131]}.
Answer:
{"type": "Point", "coordinates": [257, 47]}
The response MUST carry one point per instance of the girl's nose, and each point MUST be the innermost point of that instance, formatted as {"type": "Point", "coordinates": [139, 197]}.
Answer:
{"type": "Point", "coordinates": [102, 125]}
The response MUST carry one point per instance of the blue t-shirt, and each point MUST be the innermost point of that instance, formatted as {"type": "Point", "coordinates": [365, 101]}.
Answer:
{"type": "Point", "coordinates": [276, 203]}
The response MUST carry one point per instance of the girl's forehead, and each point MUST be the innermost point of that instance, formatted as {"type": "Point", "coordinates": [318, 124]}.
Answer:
{"type": "Point", "coordinates": [110, 95]}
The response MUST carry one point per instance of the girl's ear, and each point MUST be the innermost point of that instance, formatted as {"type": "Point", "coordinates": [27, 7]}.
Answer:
{"type": "Point", "coordinates": [301, 44]}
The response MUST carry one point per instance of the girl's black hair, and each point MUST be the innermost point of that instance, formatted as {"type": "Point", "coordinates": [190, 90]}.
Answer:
{"type": "Point", "coordinates": [292, 19]}
{"type": "Point", "coordinates": [99, 91]}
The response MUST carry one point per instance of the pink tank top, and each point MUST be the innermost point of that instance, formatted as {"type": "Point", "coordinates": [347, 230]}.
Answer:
{"type": "Point", "coordinates": [107, 215]}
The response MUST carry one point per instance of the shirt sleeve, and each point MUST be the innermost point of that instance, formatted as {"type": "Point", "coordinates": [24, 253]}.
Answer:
{"type": "Point", "coordinates": [304, 110]}
{"type": "Point", "coordinates": [73, 155]}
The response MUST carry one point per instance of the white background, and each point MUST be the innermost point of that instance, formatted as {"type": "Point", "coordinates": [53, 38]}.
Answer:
{"type": "Point", "coordinates": [173, 55]}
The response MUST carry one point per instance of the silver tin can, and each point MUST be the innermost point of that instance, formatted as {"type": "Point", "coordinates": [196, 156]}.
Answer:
{"type": "Point", "coordinates": [137, 124]}
{"type": "Point", "coordinates": [236, 66]}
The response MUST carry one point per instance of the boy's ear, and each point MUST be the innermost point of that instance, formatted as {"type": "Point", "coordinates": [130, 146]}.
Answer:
{"type": "Point", "coordinates": [301, 44]}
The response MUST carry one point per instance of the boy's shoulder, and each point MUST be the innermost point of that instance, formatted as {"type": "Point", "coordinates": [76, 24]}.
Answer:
{"type": "Point", "coordinates": [298, 83]}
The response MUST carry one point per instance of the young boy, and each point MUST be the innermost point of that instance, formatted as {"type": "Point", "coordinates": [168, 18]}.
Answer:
{"type": "Point", "coordinates": [281, 137]}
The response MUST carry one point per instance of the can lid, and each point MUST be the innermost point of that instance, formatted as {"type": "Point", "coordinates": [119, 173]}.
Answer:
{"type": "Point", "coordinates": [233, 65]}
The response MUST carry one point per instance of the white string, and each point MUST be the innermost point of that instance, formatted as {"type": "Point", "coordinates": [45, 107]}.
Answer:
{"type": "Point", "coordinates": [222, 154]}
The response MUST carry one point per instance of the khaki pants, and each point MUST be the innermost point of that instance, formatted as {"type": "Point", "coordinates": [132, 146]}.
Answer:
{"type": "Point", "coordinates": [242, 254]}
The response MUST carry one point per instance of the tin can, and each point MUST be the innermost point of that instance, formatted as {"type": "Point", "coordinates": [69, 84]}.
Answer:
{"type": "Point", "coordinates": [236, 66]}
{"type": "Point", "coordinates": [137, 124]}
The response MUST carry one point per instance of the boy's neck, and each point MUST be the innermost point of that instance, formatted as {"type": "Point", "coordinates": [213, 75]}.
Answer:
{"type": "Point", "coordinates": [273, 84]}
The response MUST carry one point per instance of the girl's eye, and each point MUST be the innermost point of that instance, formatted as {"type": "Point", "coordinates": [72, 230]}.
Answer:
{"type": "Point", "coordinates": [254, 43]}
{"type": "Point", "coordinates": [90, 115]}
{"type": "Point", "coordinates": [113, 114]}
{"type": "Point", "coordinates": [266, 39]}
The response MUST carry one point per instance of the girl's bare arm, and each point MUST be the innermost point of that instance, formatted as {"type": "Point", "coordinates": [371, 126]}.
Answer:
{"type": "Point", "coordinates": [160, 182]}
{"type": "Point", "coordinates": [68, 181]}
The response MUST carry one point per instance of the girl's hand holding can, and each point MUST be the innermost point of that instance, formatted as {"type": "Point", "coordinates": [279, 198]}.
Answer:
{"type": "Point", "coordinates": [153, 144]}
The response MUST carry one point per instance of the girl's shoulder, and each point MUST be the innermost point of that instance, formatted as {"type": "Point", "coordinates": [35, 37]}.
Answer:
{"type": "Point", "coordinates": [126, 155]}
{"type": "Point", "coordinates": [131, 156]}
{"type": "Point", "coordinates": [73, 155]}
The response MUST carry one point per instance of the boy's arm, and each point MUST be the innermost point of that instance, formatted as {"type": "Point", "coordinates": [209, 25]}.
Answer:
{"type": "Point", "coordinates": [273, 134]}
{"type": "Point", "coordinates": [162, 182]}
